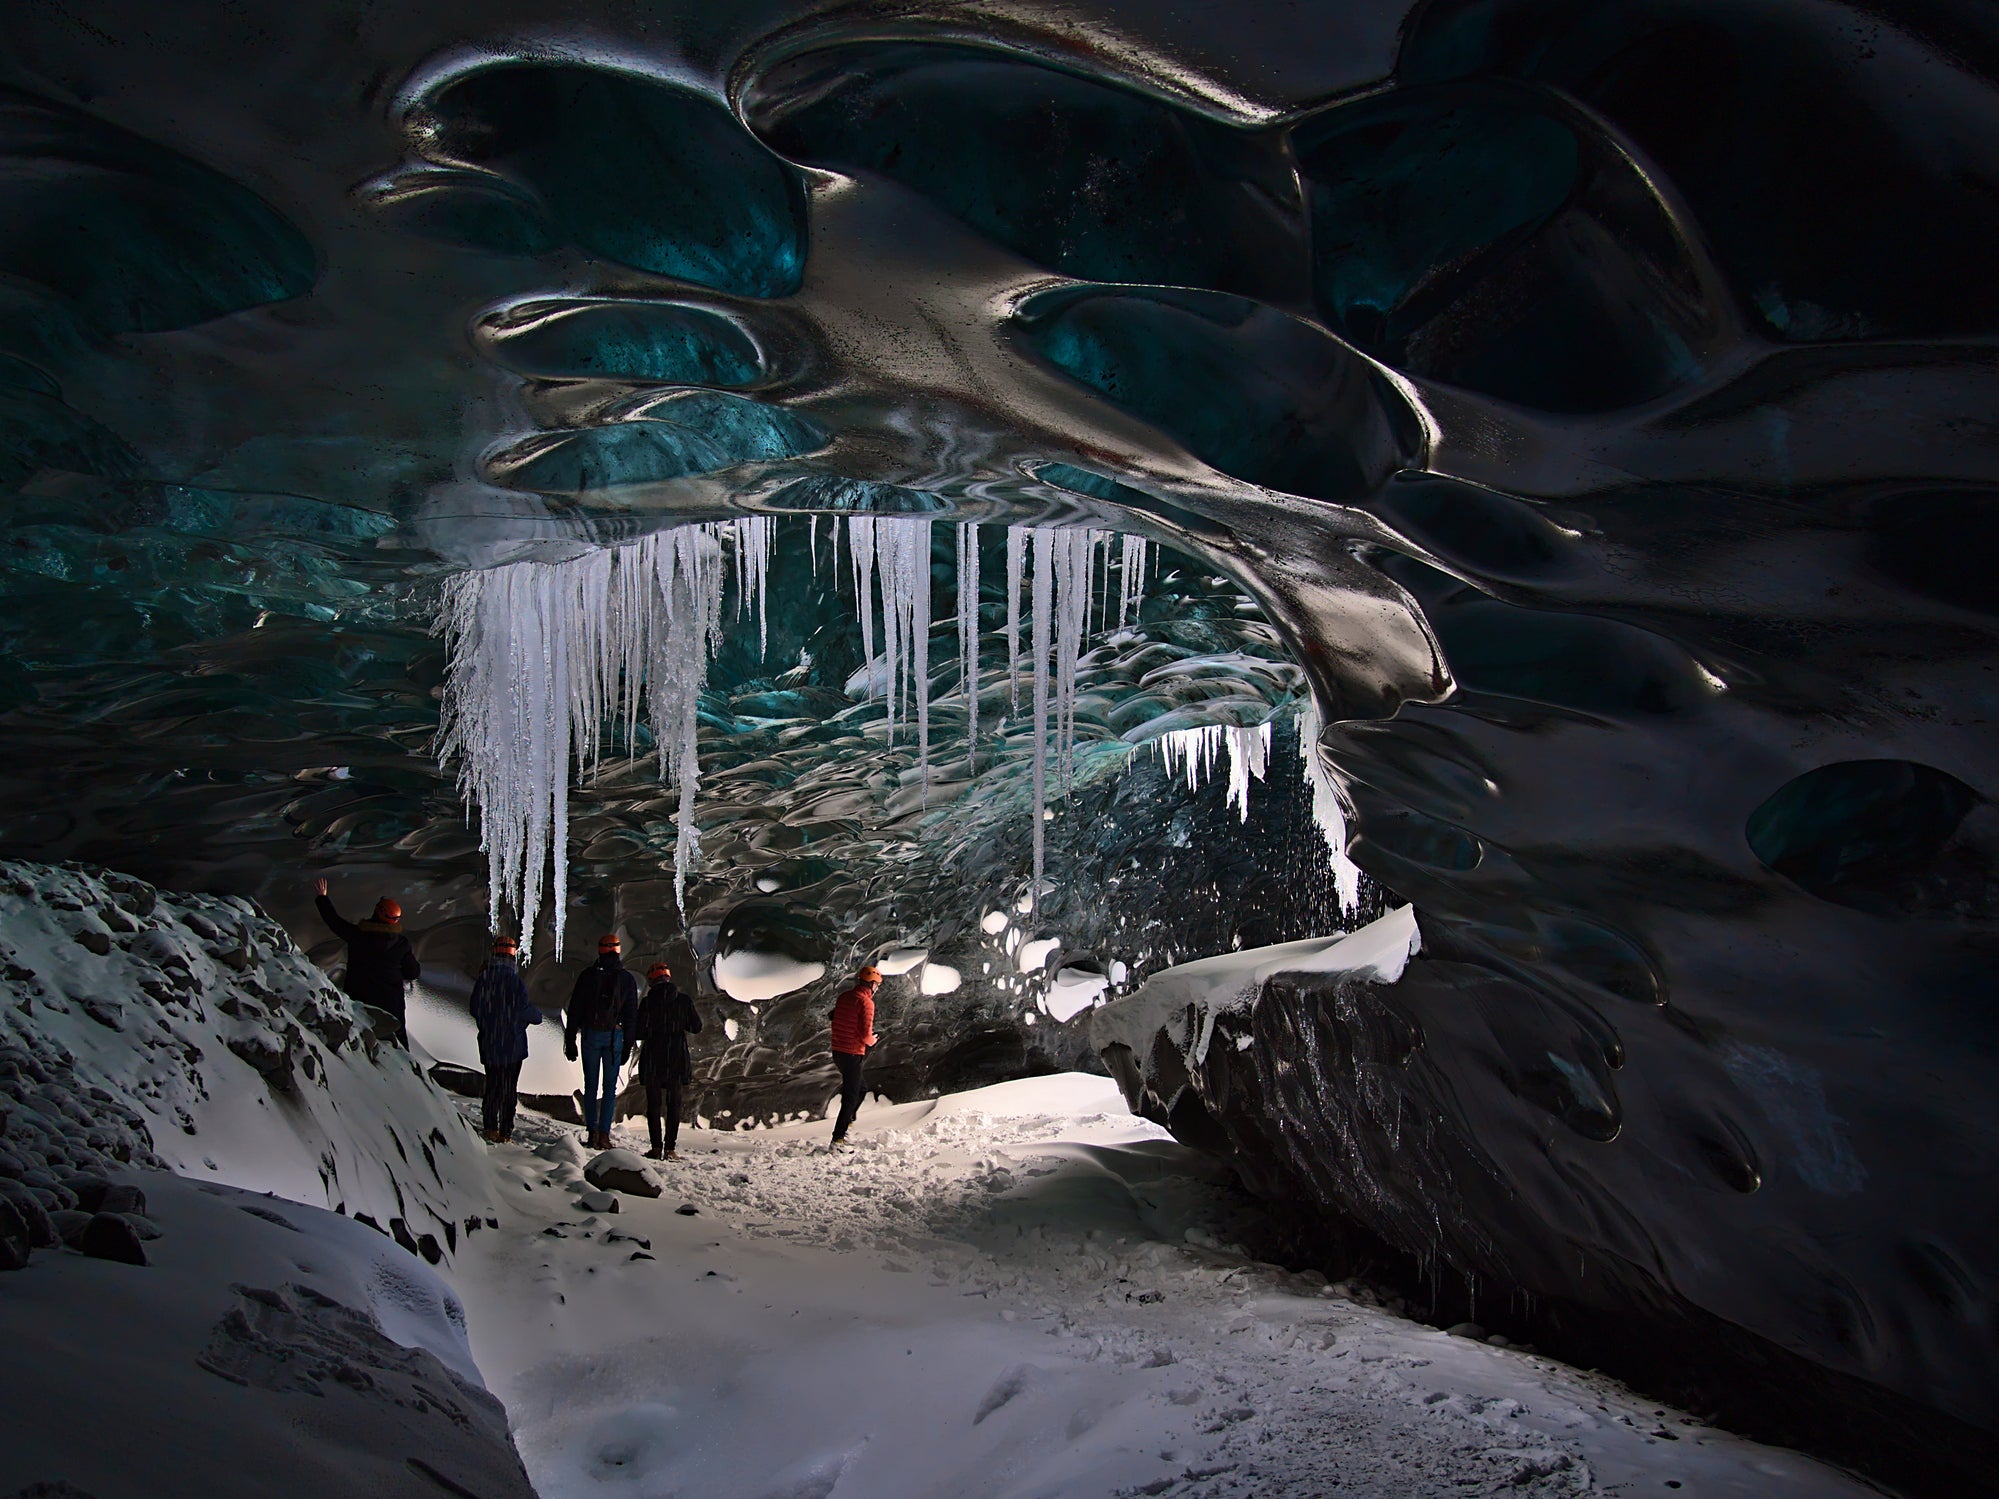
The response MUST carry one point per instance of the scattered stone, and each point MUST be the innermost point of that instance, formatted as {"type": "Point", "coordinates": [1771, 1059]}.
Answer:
{"type": "Point", "coordinates": [144, 1227]}
{"type": "Point", "coordinates": [1469, 1330]}
{"type": "Point", "coordinates": [122, 1197]}
{"type": "Point", "coordinates": [687, 1210]}
{"type": "Point", "coordinates": [598, 1202]}
{"type": "Point", "coordinates": [92, 940]}
{"type": "Point", "coordinates": [619, 1236]}
{"type": "Point", "coordinates": [69, 1224]}
{"type": "Point", "coordinates": [640, 1254]}
{"type": "Point", "coordinates": [41, 1232]}
{"type": "Point", "coordinates": [108, 1237]}
{"type": "Point", "coordinates": [89, 1191]}
{"type": "Point", "coordinates": [622, 1171]}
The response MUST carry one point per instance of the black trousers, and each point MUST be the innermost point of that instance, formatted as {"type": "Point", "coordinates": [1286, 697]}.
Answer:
{"type": "Point", "coordinates": [851, 1091]}
{"type": "Point", "coordinates": [663, 1111]}
{"type": "Point", "coordinates": [502, 1083]}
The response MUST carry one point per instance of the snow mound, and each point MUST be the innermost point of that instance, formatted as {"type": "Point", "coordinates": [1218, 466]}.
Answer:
{"type": "Point", "coordinates": [901, 960]}
{"type": "Point", "coordinates": [939, 978]}
{"type": "Point", "coordinates": [752, 976]}
{"type": "Point", "coordinates": [1073, 991]}
{"type": "Point", "coordinates": [1188, 998]}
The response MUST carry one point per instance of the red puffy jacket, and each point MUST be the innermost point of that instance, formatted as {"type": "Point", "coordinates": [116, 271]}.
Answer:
{"type": "Point", "coordinates": [854, 1023]}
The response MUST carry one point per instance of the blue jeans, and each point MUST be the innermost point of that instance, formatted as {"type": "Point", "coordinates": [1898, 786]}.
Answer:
{"type": "Point", "coordinates": [603, 1051]}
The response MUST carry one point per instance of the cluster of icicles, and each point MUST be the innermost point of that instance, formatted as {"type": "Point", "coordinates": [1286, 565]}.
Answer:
{"type": "Point", "coordinates": [545, 656]}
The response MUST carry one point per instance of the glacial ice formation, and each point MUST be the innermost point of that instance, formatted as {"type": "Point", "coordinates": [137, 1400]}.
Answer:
{"type": "Point", "coordinates": [1584, 410]}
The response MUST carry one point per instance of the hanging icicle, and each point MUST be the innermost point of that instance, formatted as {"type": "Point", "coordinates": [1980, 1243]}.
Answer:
{"type": "Point", "coordinates": [1042, 611]}
{"type": "Point", "coordinates": [1131, 578]}
{"type": "Point", "coordinates": [1016, 549]}
{"type": "Point", "coordinates": [1328, 809]}
{"type": "Point", "coordinates": [545, 655]}
{"type": "Point", "coordinates": [968, 636]}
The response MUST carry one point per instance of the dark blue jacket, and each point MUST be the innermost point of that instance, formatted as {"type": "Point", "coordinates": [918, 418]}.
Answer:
{"type": "Point", "coordinates": [606, 998]}
{"type": "Point", "coordinates": [501, 1009]}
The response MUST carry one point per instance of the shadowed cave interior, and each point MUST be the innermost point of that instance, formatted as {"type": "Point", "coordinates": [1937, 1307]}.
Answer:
{"type": "Point", "coordinates": [1551, 444]}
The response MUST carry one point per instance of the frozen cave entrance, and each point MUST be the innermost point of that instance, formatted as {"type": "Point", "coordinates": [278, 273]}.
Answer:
{"type": "Point", "coordinates": [778, 710]}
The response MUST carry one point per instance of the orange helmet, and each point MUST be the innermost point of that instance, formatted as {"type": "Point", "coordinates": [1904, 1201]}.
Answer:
{"type": "Point", "coordinates": [506, 945]}
{"type": "Point", "coordinates": [869, 974]}
{"type": "Point", "coordinates": [657, 972]}
{"type": "Point", "coordinates": [388, 910]}
{"type": "Point", "coordinates": [609, 942]}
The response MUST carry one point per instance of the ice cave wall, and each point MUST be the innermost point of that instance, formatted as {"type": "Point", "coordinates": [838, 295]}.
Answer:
{"type": "Point", "coordinates": [1594, 398]}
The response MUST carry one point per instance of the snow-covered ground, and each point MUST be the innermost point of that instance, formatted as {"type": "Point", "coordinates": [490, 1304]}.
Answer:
{"type": "Point", "coordinates": [1022, 1292]}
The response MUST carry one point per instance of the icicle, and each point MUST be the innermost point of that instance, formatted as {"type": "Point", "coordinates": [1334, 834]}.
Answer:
{"type": "Point", "coordinates": [544, 655]}
{"type": "Point", "coordinates": [1328, 811]}
{"type": "Point", "coordinates": [812, 543]}
{"type": "Point", "coordinates": [861, 550]}
{"type": "Point", "coordinates": [1042, 610]}
{"type": "Point", "coordinates": [1193, 753]}
{"type": "Point", "coordinates": [968, 636]}
{"type": "Point", "coordinates": [1016, 547]}
{"type": "Point", "coordinates": [1074, 550]}
{"type": "Point", "coordinates": [1131, 578]}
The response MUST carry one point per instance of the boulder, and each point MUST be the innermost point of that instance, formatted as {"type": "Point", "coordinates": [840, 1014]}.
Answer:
{"type": "Point", "coordinates": [598, 1202]}
{"type": "Point", "coordinates": [622, 1171]}
{"type": "Point", "coordinates": [108, 1237]}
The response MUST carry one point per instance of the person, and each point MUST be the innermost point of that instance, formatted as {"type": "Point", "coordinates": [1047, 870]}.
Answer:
{"type": "Point", "coordinates": [853, 1034]}
{"type": "Point", "coordinates": [503, 1013]}
{"type": "Point", "coordinates": [380, 960]}
{"type": "Point", "coordinates": [603, 1015]}
{"type": "Point", "coordinates": [666, 1018]}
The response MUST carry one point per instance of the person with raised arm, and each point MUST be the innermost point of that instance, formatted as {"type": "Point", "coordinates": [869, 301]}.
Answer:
{"type": "Point", "coordinates": [381, 964]}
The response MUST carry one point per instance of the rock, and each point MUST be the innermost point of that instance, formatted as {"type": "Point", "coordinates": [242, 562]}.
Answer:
{"type": "Point", "coordinates": [622, 1171]}
{"type": "Point", "coordinates": [41, 1233]}
{"type": "Point", "coordinates": [108, 1237]}
{"type": "Point", "coordinates": [92, 940]}
{"type": "Point", "coordinates": [89, 1191]}
{"type": "Point", "coordinates": [1469, 1330]}
{"type": "Point", "coordinates": [598, 1202]}
{"type": "Point", "coordinates": [687, 1210]}
{"type": "Point", "coordinates": [122, 1197]}
{"type": "Point", "coordinates": [144, 1227]}
{"type": "Point", "coordinates": [69, 1224]}
{"type": "Point", "coordinates": [16, 1238]}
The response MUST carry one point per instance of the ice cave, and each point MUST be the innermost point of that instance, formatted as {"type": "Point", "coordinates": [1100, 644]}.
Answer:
{"type": "Point", "coordinates": [1329, 669]}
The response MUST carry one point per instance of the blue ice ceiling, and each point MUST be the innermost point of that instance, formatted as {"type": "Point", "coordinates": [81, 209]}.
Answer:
{"type": "Point", "coordinates": [1586, 407]}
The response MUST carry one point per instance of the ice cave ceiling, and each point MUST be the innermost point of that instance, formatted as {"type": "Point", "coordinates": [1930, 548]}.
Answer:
{"type": "Point", "coordinates": [1588, 408]}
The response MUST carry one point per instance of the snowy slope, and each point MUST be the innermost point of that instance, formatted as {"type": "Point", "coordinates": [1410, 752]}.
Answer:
{"type": "Point", "coordinates": [267, 1348]}
{"type": "Point", "coordinates": [229, 1054]}
{"type": "Point", "coordinates": [1017, 1293]}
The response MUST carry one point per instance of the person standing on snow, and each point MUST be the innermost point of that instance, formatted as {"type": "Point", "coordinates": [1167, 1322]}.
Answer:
{"type": "Point", "coordinates": [503, 1013]}
{"type": "Point", "coordinates": [604, 1014]}
{"type": "Point", "coordinates": [853, 1034]}
{"type": "Point", "coordinates": [380, 960]}
{"type": "Point", "coordinates": [666, 1018]}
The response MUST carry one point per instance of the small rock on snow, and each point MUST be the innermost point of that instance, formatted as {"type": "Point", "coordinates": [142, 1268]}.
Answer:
{"type": "Point", "coordinates": [622, 1171]}
{"type": "Point", "coordinates": [598, 1202]}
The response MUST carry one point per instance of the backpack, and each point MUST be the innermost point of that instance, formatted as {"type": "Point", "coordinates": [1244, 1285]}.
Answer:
{"type": "Point", "coordinates": [597, 1005]}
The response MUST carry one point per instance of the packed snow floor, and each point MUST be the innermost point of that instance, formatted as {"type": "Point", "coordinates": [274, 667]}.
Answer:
{"type": "Point", "coordinates": [1023, 1293]}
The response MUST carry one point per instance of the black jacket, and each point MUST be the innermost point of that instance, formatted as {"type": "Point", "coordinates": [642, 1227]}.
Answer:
{"type": "Point", "coordinates": [380, 960]}
{"type": "Point", "coordinates": [606, 998]}
{"type": "Point", "coordinates": [666, 1019]}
